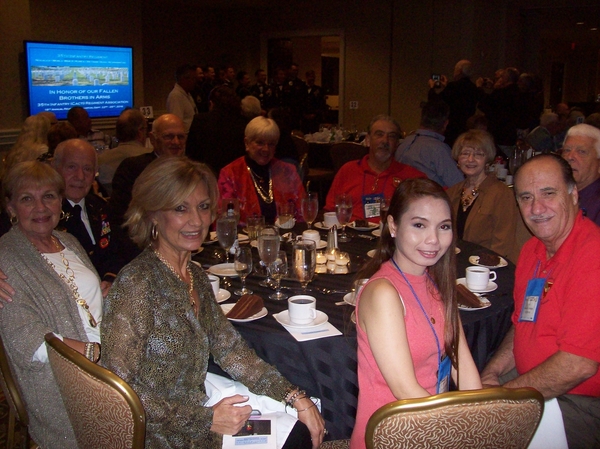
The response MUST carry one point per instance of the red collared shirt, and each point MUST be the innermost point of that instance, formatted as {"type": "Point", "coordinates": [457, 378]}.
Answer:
{"type": "Point", "coordinates": [569, 313]}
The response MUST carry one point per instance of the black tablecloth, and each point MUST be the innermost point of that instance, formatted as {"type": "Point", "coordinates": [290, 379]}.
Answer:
{"type": "Point", "coordinates": [326, 368]}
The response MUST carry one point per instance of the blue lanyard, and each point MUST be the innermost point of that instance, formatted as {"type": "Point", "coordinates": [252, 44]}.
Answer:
{"type": "Point", "coordinates": [437, 341]}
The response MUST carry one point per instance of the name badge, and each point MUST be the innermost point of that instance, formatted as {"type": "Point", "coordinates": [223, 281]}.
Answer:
{"type": "Point", "coordinates": [531, 304]}
{"type": "Point", "coordinates": [372, 205]}
{"type": "Point", "coordinates": [444, 370]}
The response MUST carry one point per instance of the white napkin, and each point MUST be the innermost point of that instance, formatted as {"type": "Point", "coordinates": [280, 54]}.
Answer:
{"type": "Point", "coordinates": [313, 333]}
{"type": "Point", "coordinates": [551, 431]}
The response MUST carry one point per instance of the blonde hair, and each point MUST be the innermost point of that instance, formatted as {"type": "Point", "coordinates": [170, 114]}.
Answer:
{"type": "Point", "coordinates": [163, 185]}
{"type": "Point", "coordinates": [261, 127]}
{"type": "Point", "coordinates": [476, 138]}
{"type": "Point", "coordinates": [29, 173]}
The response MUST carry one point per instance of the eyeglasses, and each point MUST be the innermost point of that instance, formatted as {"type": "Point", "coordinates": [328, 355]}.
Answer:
{"type": "Point", "coordinates": [476, 154]}
{"type": "Point", "coordinates": [170, 137]}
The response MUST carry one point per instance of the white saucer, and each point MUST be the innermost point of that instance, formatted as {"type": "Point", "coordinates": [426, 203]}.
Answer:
{"type": "Point", "coordinates": [475, 261]}
{"type": "Point", "coordinates": [369, 227]}
{"type": "Point", "coordinates": [227, 307]}
{"type": "Point", "coordinates": [490, 287]}
{"type": "Point", "coordinates": [321, 225]}
{"type": "Point", "coordinates": [223, 295]}
{"type": "Point", "coordinates": [212, 238]}
{"type": "Point", "coordinates": [485, 303]}
{"type": "Point", "coordinates": [223, 269]}
{"type": "Point", "coordinates": [349, 298]}
{"type": "Point", "coordinates": [284, 319]}
{"type": "Point", "coordinates": [371, 253]}
{"type": "Point", "coordinates": [376, 232]}
{"type": "Point", "coordinates": [353, 316]}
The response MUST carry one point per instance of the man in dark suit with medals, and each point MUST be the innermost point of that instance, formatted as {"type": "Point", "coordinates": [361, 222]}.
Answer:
{"type": "Point", "coordinates": [85, 213]}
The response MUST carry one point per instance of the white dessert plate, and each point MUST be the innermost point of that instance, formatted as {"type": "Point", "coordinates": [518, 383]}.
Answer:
{"type": "Point", "coordinates": [490, 287]}
{"type": "Point", "coordinates": [485, 303]}
{"type": "Point", "coordinates": [371, 253]}
{"type": "Point", "coordinates": [223, 269]}
{"type": "Point", "coordinates": [369, 227]}
{"type": "Point", "coordinates": [212, 238]}
{"type": "Point", "coordinates": [283, 318]}
{"type": "Point", "coordinates": [227, 307]}
{"type": "Point", "coordinates": [376, 232]}
{"type": "Point", "coordinates": [223, 295]}
{"type": "Point", "coordinates": [475, 261]}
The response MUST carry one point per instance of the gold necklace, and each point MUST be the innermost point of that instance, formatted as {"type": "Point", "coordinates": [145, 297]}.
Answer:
{"type": "Point", "coordinates": [189, 271]}
{"type": "Point", "coordinates": [70, 281]}
{"type": "Point", "coordinates": [467, 199]}
{"type": "Point", "coordinates": [267, 198]}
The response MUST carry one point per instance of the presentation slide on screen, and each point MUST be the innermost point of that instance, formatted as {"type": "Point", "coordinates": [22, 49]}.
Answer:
{"type": "Point", "coordinates": [62, 76]}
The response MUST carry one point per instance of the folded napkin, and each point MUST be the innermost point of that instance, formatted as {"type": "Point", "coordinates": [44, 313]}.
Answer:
{"type": "Point", "coordinates": [313, 333]}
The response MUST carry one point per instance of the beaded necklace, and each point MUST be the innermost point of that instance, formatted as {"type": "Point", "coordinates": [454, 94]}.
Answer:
{"type": "Point", "coordinates": [70, 281]}
{"type": "Point", "coordinates": [189, 271]}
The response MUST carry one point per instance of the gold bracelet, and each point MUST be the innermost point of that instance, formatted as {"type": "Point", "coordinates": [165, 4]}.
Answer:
{"type": "Point", "coordinates": [310, 406]}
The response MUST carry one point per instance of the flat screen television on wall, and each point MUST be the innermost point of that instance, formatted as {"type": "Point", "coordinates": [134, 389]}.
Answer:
{"type": "Point", "coordinates": [96, 77]}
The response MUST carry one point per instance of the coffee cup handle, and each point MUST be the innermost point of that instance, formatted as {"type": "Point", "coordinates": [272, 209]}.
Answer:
{"type": "Point", "coordinates": [492, 275]}
{"type": "Point", "coordinates": [313, 312]}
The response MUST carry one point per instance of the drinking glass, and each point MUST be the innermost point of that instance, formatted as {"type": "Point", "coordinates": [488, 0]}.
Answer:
{"type": "Point", "coordinates": [285, 214]}
{"type": "Point", "coordinates": [305, 260]}
{"type": "Point", "coordinates": [310, 208]}
{"type": "Point", "coordinates": [243, 265]}
{"type": "Point", "coordinates": [253, 224]}
{"type": "Point", "coordinates": [279, 269]}
{"type": "Point", "coordinates": [268, 247]}
{"type": "Point", "coordinates": [226, 233]}
{"type": "Point", "coordinates": [343, 212]}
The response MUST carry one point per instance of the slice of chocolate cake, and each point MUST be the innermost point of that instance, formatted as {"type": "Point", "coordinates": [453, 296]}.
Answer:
{"type": "Point", "coordinates": [466, 297]}
{"type": "Point", "coordinates": [489, 260]}
{"type": "Point", "coordinates": [246, 306]}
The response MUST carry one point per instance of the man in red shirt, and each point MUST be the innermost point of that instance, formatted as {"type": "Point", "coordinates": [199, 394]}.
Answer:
{"type": "Point", "coordinates": [554, 343]}
{"type": "Point", "coordinates": [376, 175]}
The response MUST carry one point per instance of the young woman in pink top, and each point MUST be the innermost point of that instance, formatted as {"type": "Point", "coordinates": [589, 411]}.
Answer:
{"type": "Point", "coordinates": [410, 338]}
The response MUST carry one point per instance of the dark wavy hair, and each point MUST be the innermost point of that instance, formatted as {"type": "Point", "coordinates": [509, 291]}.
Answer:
{"type": "Point", "coordinates": [442, 273]}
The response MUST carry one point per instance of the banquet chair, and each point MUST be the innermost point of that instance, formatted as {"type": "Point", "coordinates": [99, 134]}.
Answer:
{"type": "Point", "coordinates": [491, 418]}
{"type": "Point", "coordinates": [16, 407]}
{"type": "Point", "coordinates": [335, 444]}
{"type": "Point", "coordinates": [345, 152]}
{"type": "Point", "coordinates": [103, 409]}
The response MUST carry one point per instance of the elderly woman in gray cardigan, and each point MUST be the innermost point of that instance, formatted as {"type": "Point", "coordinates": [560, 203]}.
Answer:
{"type": "Point", "coordinates": [48, 271]}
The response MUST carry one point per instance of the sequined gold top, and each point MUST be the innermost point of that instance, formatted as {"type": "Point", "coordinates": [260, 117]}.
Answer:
{"type": "Point", "coordinates": [152, 340]}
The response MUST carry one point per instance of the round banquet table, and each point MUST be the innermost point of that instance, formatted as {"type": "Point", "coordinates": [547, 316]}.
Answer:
{"type": "Point", "coordinates": [326, 367]}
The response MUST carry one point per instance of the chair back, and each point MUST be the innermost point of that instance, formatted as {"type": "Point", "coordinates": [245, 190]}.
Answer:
{"type": "Point", "coordinates": [12, 393]}
{"type": "Point", "coordinates": [301, 146]}
{"type": "Point", "coordinates": [345, 152]}
{"type": "Point", "coordinates": [103, 409]}
{"type": "Point", "coordinates": [490, 418]}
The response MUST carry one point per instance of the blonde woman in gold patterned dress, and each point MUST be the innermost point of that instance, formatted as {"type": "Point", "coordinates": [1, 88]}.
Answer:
{"type": "Point", "coordinates": [161, 320]}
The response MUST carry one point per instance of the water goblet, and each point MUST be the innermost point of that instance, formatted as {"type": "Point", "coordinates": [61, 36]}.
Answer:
{"type": "Point", "coordinates": [279, 269]}
{"type": "Point", "coordinates": [268, 247]}
{"type": "Point", "coordinates": [243, 265]}
{"type": "Point", "coordinates": [304, 261]}
{"type": "Point", "coordinates": [310, 208]}
{"type": "Point", "coordinates": [343, 212]}
{"type": "Point", "coordinates": [285, 214]}
{"type": "Point", "coordinates": [253, 224]}
{"type": "Point", "coordinates": [226, 233]}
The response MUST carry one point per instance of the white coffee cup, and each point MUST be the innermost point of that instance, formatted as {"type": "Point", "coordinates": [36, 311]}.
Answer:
{"type": "Point", "coordinates": [215, 283]}
{"type": "Point", "coordinates": [302, 309]}
{"type": "Point", "coordinates": [311, 234]}
{"type": "Point", "coordinates": [329, 219]}
{"type": "Point", "coordinates": [478, 278]}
